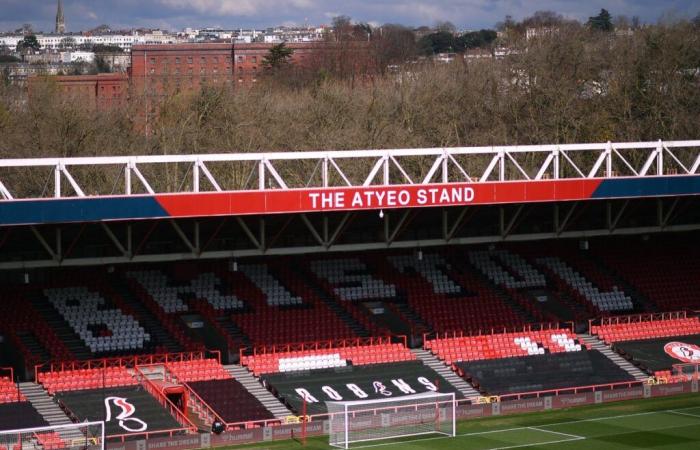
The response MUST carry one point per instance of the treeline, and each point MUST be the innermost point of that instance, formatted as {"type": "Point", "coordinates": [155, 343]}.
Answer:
{"type": "Point", "coordinates": [580, 85]}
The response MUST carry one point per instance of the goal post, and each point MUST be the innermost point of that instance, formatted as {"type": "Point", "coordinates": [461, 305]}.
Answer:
{"type": "Point", "coordinates": [391, 418]}
{"type": "Point", "coordinates": [72, 436]}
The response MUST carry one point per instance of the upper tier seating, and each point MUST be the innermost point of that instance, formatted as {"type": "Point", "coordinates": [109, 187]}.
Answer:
{"type": "Point", "coordinates": [494, 346]}
{"type": "Point", "coordinates": [542, 372]}
{"type": "Point", "coordinates": [276, 294]}
{"type": "Point", "coordinates": [197, 370]}
{"type": "Point", "coordinates": [81, 379]}
{"type": "Point", "coordinates": [205, 286]}
{"type": "Point", "coordinates": [315, 359]}
{"type": "Point", "coordinates": [475, 306]}
{"type": "Point", "coordinates": [350, 279]}
{"type": "Point", "coordinates": [83, 309]}
{"type": "Point", "coordinates": [428, 267]}
{"type": "Point", "coordinates": [663, 270]}
{"type": "Point", "coordinates": [632, 331]}
{"type": "Point", "coordinates": [492, 264]}
{"type": "Point", "coordinates": [614, 300]}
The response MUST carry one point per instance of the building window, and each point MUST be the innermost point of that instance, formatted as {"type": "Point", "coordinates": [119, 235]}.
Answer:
{"type": "Point", "coordinates": [189, 60]}
{"type": "Point", "coordinates": [215, 70]}
{"type": "Point", "coordinates": [177, 71]}
{"type": "Point", "coordinates": [152, 71]}
{"type": "Point", "coordinates": [216, 60]}
{"type": "Point", "coordinates": [153, 60]}
{"type": "Point", "coordinates": [202, 70]}
{"type": "Point", "coordinates": [177, 60]}
{"type": "Point", "coordinates": [228, 59]}
{"type": "Point", "coordinates": [189, 71]}
{"type": "Point", "coordinates": [240, 79]}
{"type": "Point", "coordinates": [254, 59]}
{"type": "Point", "coordinates": [241, 58]}
{"type": "Point", "coordinates": [255, 69]}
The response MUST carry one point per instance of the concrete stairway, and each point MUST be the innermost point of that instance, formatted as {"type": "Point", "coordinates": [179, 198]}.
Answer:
{"type": "Point", "coordinates": [597, 344]}
{"type": "Point", "coordinates": [48, 409]}
{"type": "Point", "coordinates": [269, 401]}
{"type": "Point", "coordinates": [448, 374]}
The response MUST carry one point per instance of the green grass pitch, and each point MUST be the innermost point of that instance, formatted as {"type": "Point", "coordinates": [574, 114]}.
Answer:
{"type": "Point", "coordinates": [667, 423]}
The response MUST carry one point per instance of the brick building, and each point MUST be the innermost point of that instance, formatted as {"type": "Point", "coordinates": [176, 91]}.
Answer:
{"type": "Point", "coordinates": [158, 70]}
{"type": "Point", "coordinates": [102, 91]}
{"type": "Point", "coordinates": [162, 69]}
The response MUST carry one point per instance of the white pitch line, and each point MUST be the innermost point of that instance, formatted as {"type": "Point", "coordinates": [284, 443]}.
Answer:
{"type": "Point", "coordinates": [560, 441]}
{"type": "Point", "coordinates": [557, 432]}
{"type": "Point", "coordinates": [697, 416]}
{"type": "Point", "coordinates": [541, 428]}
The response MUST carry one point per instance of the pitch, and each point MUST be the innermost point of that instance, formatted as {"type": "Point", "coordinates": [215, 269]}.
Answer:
{"type": "Point", "coordinates": [670, 423]}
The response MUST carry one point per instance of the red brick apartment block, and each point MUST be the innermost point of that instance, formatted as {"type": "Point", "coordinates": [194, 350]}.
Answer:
{"type": "Point", "coordinates": [165, 69]}
{"type": "Point", "coordinates": [102, 91]}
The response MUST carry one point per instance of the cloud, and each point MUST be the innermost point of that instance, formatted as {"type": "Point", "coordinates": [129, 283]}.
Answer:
{"type": "Point", "coordinates": [86, 14]}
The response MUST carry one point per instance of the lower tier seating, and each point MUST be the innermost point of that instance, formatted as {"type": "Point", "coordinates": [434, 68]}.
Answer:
{"type": "Point", "coordinates": [542, 372]}
{"type": "Point", "coordinates": [353, 383]}
{"type": "Point", "coordinates": [656, 355]}
{"type": "Point", "coordinates": [125, 410]}
{"type": "Point", "coordinates": [504, 345]}
{"type": "Point", "coordinates": [648, 329]}
{"type": "Point", "coordinates": [230, 400]}
{"type": "Point", "coordinates": [9, 392]}
{"type": "Point", "coordinates": [324, 358]}
{"type": "Point", "coordinates": [18, 415]}
{"type": "Point", "coordinates": [198, 370]}
{"type": "Point", "coordinates": [81, 379]}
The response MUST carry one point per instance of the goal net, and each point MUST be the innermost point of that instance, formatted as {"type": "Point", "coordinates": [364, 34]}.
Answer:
{"type": "Point", "coordinates": [391, 418]}
{"type": "Point", "coordinates": [74, 436]}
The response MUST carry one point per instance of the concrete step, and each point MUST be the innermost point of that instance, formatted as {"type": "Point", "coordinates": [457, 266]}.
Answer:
{"type": "Point", "coordinates": [253, 386]}
{"type": "Point", "coordinates": [621, 362]}
{"type": "Point", "coordinates": [48, 409]}
{"type": "Point", "coordinates": [438, 366]}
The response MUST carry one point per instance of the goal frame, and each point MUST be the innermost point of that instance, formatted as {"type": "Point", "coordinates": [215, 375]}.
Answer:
{"type": "Point", "coordinates": [58, 428]}
{"type": "Point", "coordinates": [375, 405]}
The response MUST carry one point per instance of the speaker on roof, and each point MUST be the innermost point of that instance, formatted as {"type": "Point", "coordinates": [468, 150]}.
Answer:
{"type": "Point", "coordinates": [217, 427]}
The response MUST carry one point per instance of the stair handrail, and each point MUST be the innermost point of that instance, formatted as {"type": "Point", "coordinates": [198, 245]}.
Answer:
{"type": "Point", "coordinates": [152, 389]}
{"type": "Point", "coordinates": [170, 376]}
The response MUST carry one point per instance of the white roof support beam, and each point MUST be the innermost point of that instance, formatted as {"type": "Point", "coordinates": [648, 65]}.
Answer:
{"type": "Point", "coordinates": [512, 163]}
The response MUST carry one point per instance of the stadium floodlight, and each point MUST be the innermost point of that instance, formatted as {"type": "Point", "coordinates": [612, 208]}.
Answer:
{"type": "Point", "coordinates": [73, 436]}
{"type": "Point", "coordinates": [391, 418]}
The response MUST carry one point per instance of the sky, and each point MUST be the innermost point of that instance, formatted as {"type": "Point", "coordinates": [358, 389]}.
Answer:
{"type": "Point", "coordinates": [178, 14]}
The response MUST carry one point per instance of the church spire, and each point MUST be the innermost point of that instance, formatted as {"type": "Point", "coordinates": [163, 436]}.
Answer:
{"type": "Point", "coordinates": [60, 20]}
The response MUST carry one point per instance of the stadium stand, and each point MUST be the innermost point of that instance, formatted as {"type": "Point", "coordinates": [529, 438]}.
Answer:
{"type": "Point", "coordinates": [224, 395]}
{"type": "Point", "coordinates": [102, 330]}
{"type": "Point", "coordinates": [353, 383]}
{"type": "Point", "coordinates": [127, 409]}
{"type": "Point", "coordinates": [653, 342]}
{"type": "Point", "coordinates": [377, 351]}
{"type": "Point", "coordinates": [504, 345]}
{"type": "Point", "coordinates": [15, 411]}
{"type": "Point", "coordinates": [83, 379]}
{"type": "Point", "coordinates": [17, 415]}
{"type": "Point", "coordinates": [659, 270]}
{"type": "Point", "coordinates": [542, 372]}
{"type": "Point", "coordinates": [445, 298]}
